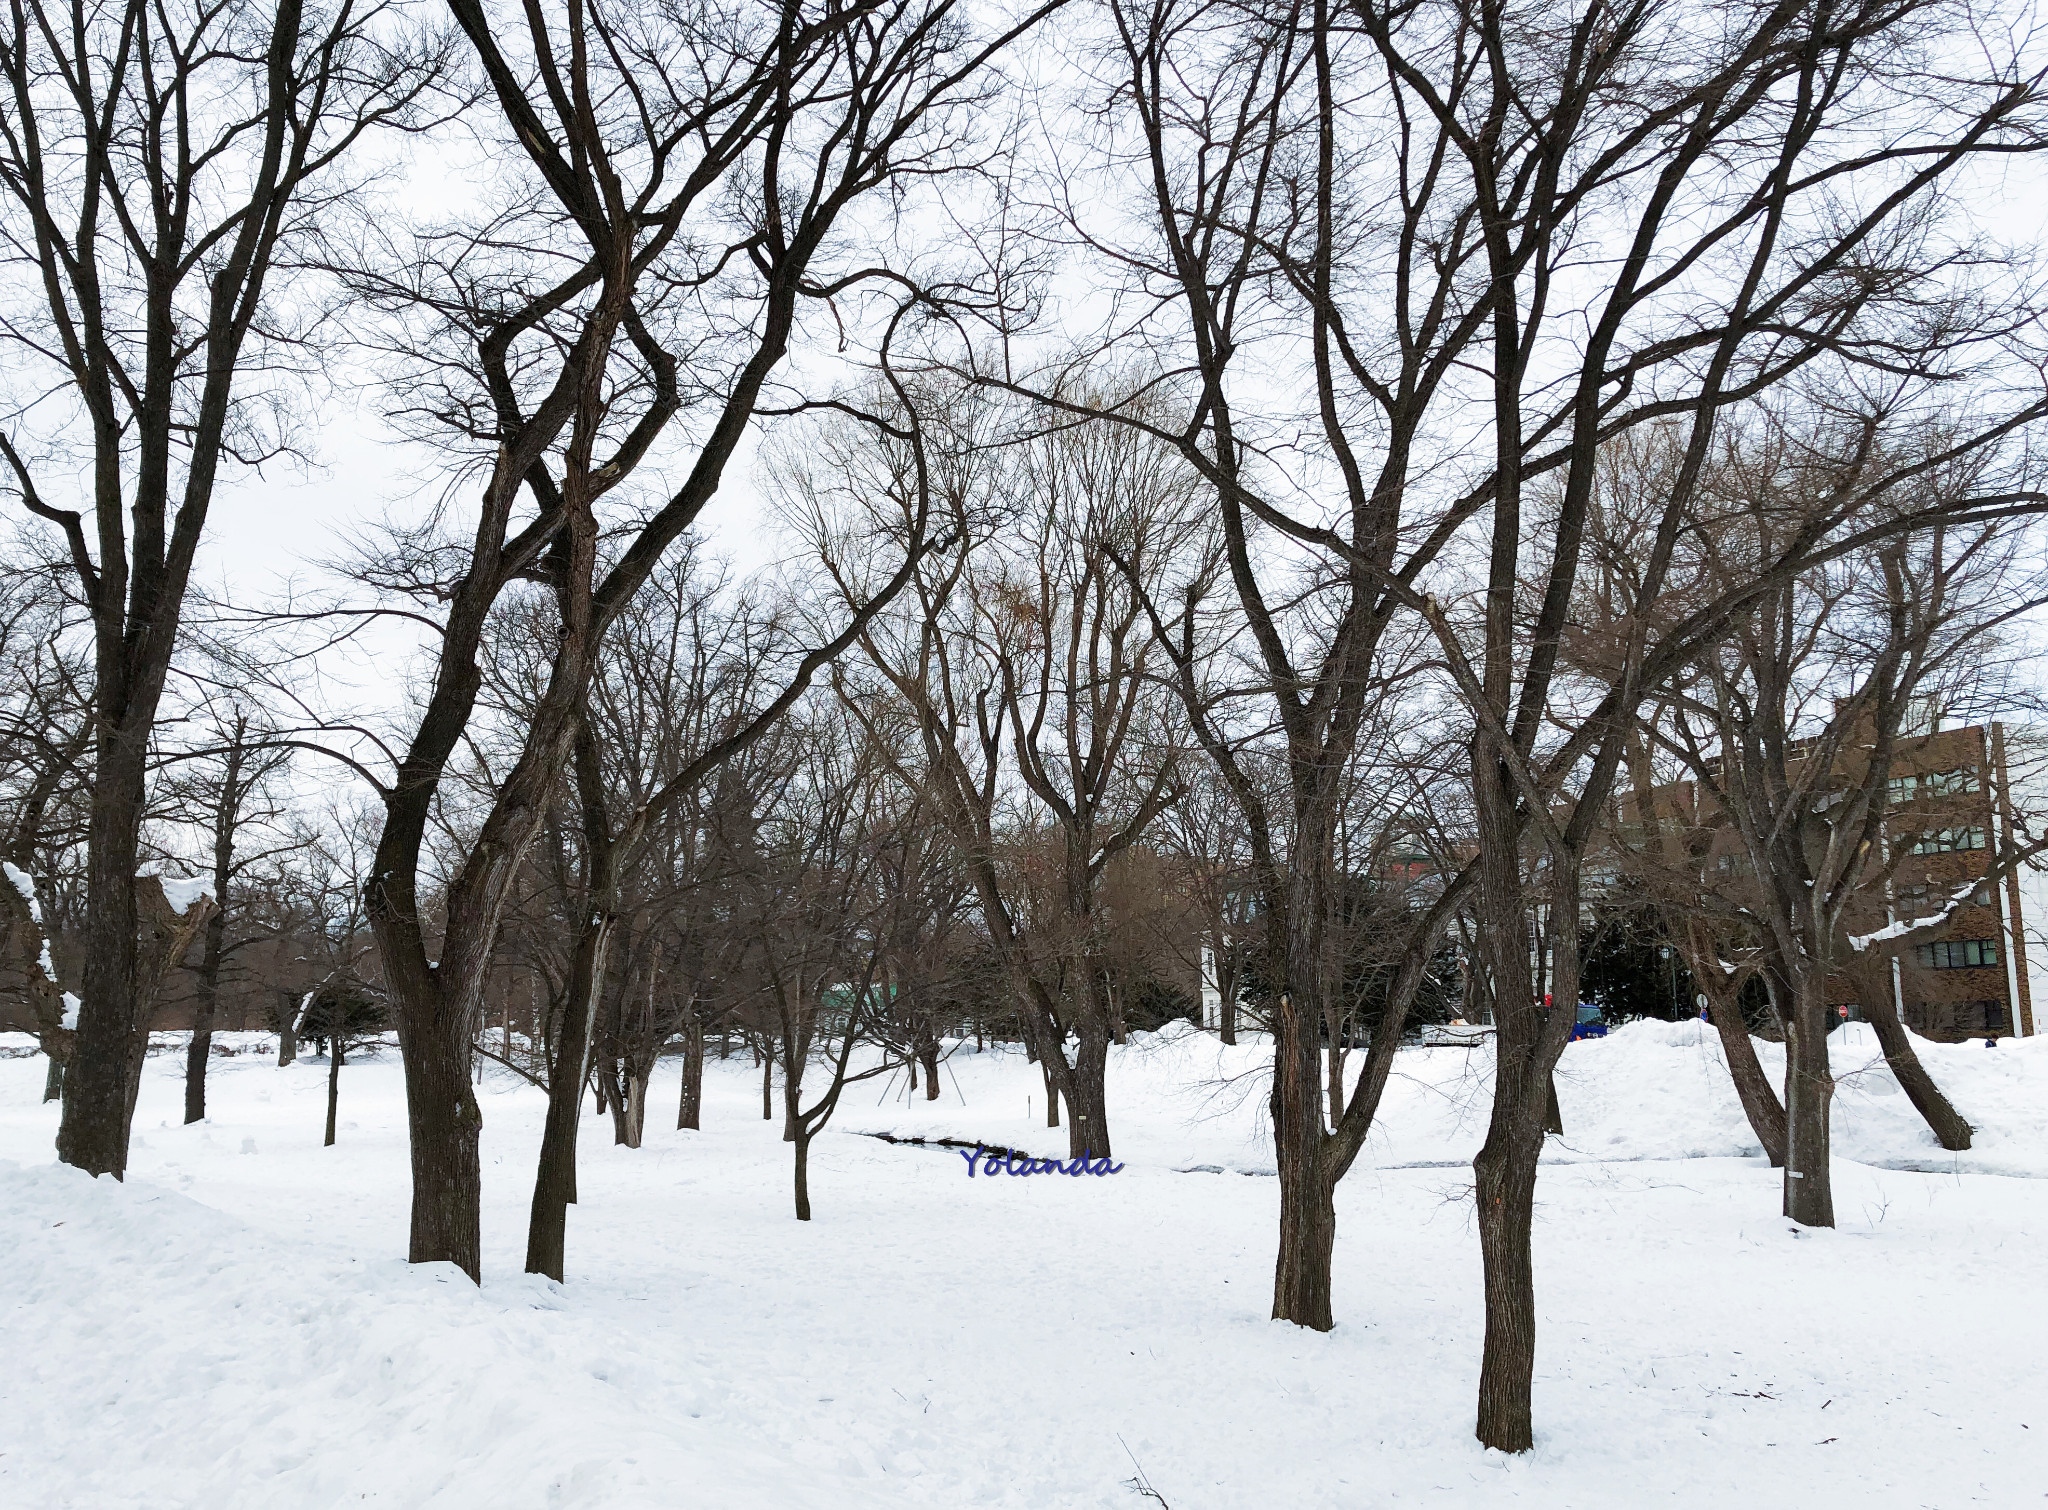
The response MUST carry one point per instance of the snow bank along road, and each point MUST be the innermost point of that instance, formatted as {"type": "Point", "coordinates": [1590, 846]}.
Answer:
{"type": "Point", "coordinates": [234, 1326]}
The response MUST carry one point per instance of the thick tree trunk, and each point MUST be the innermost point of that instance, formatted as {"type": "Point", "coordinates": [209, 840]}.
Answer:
{"type": "Point", "coordinates": [1308, 1217]}
{"type": "Point", "coordinates": [445, 1126]}
{"type": "Point", "coordinates": [931, 1072]}
{"type": "Point", "coordinates": [1087, 1095]}
{"type": "Point", "coordinates": [92, 1133]}
{"type": "Point", "coordinates": [1052, 1092]}
{"type": "Point", "coordinates": [287, 1031]}
{"type": "Point", "coordinates": [196, 1054]}
{"type": "Point", "coordinates": [554, 1180]}
{"type": "Point", "coordinates": [1308, 1242]}
{"type": "Point", "coordinates": [1505, 1181]}
{"type": "Point", "coordinates": [1530, 1035]}
{"type": "Point", "coordinates": [1943, 1120]}
{"type": "Point", "coordinates": [803, 1177]}
{"type": "Point", "coordinates": [1809, 1097]}
{"type": "Point", "coordinates": [1227, 1014]}
{"type": "Point", "coordinates": [690, 1111]}
{"type": "Point", "coordinates": [334, 1062]}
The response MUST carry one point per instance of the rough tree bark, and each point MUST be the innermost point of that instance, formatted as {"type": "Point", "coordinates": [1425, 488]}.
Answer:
{"type": "Point", "coordinates": [216, 117]}
{"type": "Point", "coordinates": [554, 1183]}
{"type": "Point", "coordinates": [1760, 1103]}
{"type": "Point", "coordinates": [335, 1057]}
{"type": "Point", "coordinates": [1943, 1120]}
{"type": "Point", "coordinates": [690, 1110]}
{"type": "Point", "coordinates": [1809, 1101]}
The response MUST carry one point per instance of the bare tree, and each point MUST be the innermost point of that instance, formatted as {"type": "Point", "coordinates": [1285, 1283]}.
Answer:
{"type": "Point", "coordinates": [1033, 725]}
{"type": "Point", "coordinates": [156, 165]}
{"type": "Point", "coordinates": [45, 735]}
{"type": "Point", "coordinates": [1416, 252]}
{"type": "Point", "coordinates": [225, 787]}
{"type": "Point", "coordinates": [1796, 730]}
{"type": "Point", "coordinates": [686, 183]}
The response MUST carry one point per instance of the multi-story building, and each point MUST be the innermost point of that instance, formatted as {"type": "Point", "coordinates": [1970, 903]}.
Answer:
{"type": "Point", "coordinates": [1958, 798]}
{"type": "Point", "coordinates": [1957, 802]}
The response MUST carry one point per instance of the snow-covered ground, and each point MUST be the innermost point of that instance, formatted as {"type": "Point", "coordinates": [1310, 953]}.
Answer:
{"type": "Point", "coordinates": [234, 1326]}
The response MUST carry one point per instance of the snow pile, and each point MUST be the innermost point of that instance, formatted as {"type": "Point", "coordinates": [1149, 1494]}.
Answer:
{"type": "Point", "coordinates": [227, 1369]}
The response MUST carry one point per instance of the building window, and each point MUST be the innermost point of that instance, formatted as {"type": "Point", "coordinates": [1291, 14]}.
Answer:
{"type": "Point", "coordinates": [1942, 841]}
{"type": "Point", "coordinates": [1957, 954]}
{"type": "Point", "coordinates": [1932, 784]}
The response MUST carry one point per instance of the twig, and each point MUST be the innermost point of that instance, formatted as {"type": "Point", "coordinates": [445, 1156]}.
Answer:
{"type": "Point", "coordinates": [1141, 1483]}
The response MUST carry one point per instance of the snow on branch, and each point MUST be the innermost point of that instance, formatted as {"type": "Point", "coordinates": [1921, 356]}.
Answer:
{"type": "Point", "coordinates": [1898, 928]}
{"type": "Point", "coordinates": [19, 879]}
{"type": "Point", "coordinates": [182, 891]}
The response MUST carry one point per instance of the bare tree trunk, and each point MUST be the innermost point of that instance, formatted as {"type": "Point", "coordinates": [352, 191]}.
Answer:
{"type": "Point", "coordinates": [1760, 1103]}
{"type": "Point", "coordinates": [1529, 1037]}
{"type": "Point", "coordinates": [196, 1053]}
{"type": "Point", "coordinates": [636, 1106]}
{"type": "Point", "coordinates": [167, 935]}
{"type": "Point", "coordinates": [803, 1176]}
{"type": "Point", "coordinates": [53, 1080]}
{"type": "Point", "coordinates": [445, 1125]}
{"type": "Point", "coordinates": [334, 1062]}
{"type": "Point", "coordinates": [1943, 1120]}
{"type": "Point", "coordinates": [690, 1111]}
{"type": "Point", "coordinates": [767, 1088]}
{"type": "Point", "coordinates": [288, 1030]}
{"type": "Point", "coordinates": [617, 1100]}
{"type": "Point", "coordinates": [931, 1072]}
{"type": "Point", "coordinates": [1505, 1179]}
{"type": "Point", "coordinates": [93, 1131]}
{"type": "Point", "coordinates": [1087, 1097]}
{"type": "Point", "coordinates": [554, 1181]}
{"type": "Point", "coordinates": [200, 1048]}
{"type": "Point", "coordinates": [1308, 1214]}
{"type": "Point", "coordinates": [1553, 1114]}
{"type": "Point", "coordinates": [1052, 1093]}
{"type": "Point", "coordinates": [227, 817]}
{"type": "Point", "coordinates": [1809, 1095]}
